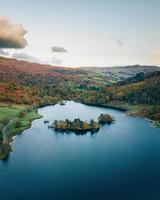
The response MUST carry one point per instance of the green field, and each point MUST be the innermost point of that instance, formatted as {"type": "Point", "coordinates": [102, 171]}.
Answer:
{"type": "Point", "coordinates": [22, 116]}
{"type": "Point", "coordinates": [9, 112]}
{"type": "Point", "coordinates": [23, 123]}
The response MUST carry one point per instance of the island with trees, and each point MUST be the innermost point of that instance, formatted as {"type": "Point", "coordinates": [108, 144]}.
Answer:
{"type": "Point", "coordinates": [80, 126]}
{"type": "Point", "coordinates": [76, 125]}
{"type": "Point", "coordinates": [105, 119]}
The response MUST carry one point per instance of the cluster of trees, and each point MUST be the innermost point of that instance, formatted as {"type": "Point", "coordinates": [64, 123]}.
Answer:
{"type": "Point", "coordinates": [105, 119]}
{"type": "Point", "coordinates": [144, 90]}
{"type": "Point", "coordinates": [76, 125]}
{"type": "Point", "coordinates": [4, 150]}
{"type": "Point", "coordinates": [138, 90]}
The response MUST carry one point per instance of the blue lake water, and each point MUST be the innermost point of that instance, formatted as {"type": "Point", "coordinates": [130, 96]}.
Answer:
{"type": "Point", "coordinates": [120, 162]}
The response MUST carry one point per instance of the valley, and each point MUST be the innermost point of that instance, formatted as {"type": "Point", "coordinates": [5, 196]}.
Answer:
{"type": "Point", "coordinates": [26, 86]}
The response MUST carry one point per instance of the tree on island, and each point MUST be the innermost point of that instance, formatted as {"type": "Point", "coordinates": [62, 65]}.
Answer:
{"type": "Point", "coordinates": [105, 119]}
{"type": "Point", "coordinates": [76, 125]}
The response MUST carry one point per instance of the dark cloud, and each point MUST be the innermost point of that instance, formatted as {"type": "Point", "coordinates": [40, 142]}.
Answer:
{"type": "Point", "coordinates": [57, 49]}
{"type": "Point", "coordinates": [5, 53]}
{"type": "Point", "coordinates": [24, 56]}
{"type": "Point", "coordinates": [11, 35]}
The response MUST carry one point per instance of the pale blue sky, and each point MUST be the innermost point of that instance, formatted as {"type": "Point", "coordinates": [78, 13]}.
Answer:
{"type": "Point", "coordinates": [95, 32]}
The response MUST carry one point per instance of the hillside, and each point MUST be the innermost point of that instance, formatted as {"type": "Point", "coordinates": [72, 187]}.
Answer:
{"type": "Point", "coordinates": [118, 73]}
{"type": "Point", "coordinates": [35, 84]}
{"type": "Point", "coordinates": [25, 82]}
{"type": "Point", "coordinates": [15, 67]}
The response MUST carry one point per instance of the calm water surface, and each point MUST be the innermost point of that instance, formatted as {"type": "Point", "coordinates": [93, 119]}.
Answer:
{"type": "Point", "coordinates": [120, 162]}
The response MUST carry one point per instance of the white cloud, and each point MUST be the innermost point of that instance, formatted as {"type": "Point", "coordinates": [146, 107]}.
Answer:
{"type": "Point", "coordinates": [27, 57]}
{"type": "Point", "coordinates": [5, 53]}
{"type": "Point", "coordinates": [24, 56]}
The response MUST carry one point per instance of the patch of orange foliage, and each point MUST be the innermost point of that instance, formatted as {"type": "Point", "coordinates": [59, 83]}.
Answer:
{"type": "Point", "coordinates": [2, 88]}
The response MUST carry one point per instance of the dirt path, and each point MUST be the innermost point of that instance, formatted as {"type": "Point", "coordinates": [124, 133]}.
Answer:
{"type": "Point", "coordinates": [4, 130]}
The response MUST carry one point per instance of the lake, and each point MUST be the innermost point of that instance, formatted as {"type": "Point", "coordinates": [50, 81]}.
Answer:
{"type": "Point", "coordinates": [120, 162]}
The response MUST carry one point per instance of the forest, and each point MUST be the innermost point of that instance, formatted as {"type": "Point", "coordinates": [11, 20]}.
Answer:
{"type": "Point", "coordinates": [33, 84]}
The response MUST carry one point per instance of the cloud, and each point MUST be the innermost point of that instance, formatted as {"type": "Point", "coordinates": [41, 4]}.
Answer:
{"type": "Point", "coordinates": [5, 53]}
{"type": "Point", "coordinates": [56, 61]}
{"type": "Point", "coordinates": [119, 42]}
{"type": "Point", "coordinates": [57, 49]}
{"type": "Point", "coordinates": [11, 34]}
{"type": "Point", "coordinates": [24, 56]}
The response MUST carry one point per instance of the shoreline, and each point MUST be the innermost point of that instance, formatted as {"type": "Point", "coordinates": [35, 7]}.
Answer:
{"type": "Point", "coordinates": [21, 129]}
{"type": "Point", "coordinates": [6, 147]}
{"type": "Point", "coordinates": [104, 106]}
{"type": "Point", "coordinates": [129, 112]}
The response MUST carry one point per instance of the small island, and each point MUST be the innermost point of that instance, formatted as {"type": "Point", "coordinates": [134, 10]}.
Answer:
{"type": "Point", "coordinates": [105, 119]}
{"type": "Point", "coordinates": [76, 125]}
{"type": "Point", "coordinates": [79, 126]}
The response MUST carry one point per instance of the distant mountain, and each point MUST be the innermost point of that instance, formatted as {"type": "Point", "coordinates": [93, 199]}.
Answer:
{"type": "Point", "coordinates": [123, 72]}
{"type": "Point", "coordinates": [11, 68]}
{"type": "Point", "coordinates": [15, 67]}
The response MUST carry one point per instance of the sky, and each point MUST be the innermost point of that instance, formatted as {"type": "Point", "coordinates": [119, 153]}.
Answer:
{"type": "Point", "coordinates": [86, 32]}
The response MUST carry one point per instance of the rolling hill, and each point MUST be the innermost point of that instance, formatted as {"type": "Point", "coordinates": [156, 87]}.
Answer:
{"type": "Point", "coordinates": [35, 84]}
